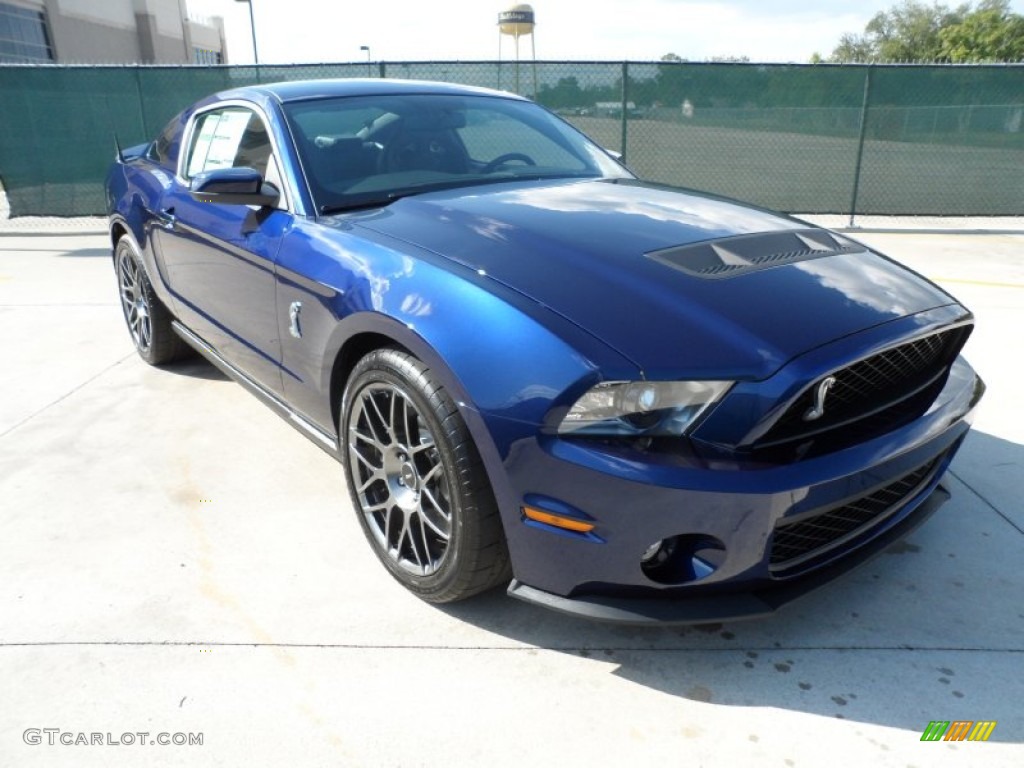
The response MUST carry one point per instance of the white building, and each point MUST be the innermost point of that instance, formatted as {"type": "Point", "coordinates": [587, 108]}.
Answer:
{"type": "Point", "coordinates": [108, 32]}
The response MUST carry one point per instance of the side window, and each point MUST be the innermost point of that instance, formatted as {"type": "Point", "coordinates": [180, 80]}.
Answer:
{"type": "Point", "coordinates": [233, 137]}
{"type": "Point", "coordinates": [163, 147]}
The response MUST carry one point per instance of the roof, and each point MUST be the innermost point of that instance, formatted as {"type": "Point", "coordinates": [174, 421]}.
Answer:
{"type": "Point", "coordinates": [303, 90]}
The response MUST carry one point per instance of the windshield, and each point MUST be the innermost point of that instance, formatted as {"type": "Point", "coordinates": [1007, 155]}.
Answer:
{"type": "Point", "coordinates": [364, 151]}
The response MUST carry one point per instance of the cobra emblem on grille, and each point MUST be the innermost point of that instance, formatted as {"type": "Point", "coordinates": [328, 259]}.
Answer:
{"type": "Point", "coordinates": [818, 409]}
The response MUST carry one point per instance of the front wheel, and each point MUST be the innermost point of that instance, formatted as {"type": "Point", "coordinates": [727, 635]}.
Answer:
{"type": "Point", "coordinates": [417, 481]}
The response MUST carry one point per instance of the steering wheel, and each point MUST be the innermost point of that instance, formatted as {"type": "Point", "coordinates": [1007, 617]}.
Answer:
{"type": "Point", "coordinates": [508, 157]}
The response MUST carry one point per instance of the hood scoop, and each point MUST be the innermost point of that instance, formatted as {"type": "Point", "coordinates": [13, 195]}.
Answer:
{"type": "Point", "coordinates": [734, 256]}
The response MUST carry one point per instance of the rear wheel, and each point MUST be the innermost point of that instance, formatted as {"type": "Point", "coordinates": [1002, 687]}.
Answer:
{"type": "Point", "coordinates": [417, 482]}
{"type": "Point", "coordinates": [148, 320]}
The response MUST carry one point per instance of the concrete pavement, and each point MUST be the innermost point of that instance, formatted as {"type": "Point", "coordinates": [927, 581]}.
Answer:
{"type": "Point", "coordinates": [175, 558]}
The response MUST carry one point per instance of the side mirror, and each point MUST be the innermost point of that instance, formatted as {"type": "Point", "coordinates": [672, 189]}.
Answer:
{"type": "Point", "coordinates": [234, 186]}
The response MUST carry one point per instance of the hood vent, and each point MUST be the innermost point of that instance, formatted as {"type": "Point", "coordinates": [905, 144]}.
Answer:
{"type": "Point", "coordinates": [735, 256]}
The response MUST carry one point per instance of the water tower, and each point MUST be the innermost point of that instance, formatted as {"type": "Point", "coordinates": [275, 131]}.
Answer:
{"type": "Point", "coordinates": [518, 21]}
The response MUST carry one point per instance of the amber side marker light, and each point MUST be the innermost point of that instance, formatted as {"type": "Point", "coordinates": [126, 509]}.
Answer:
{"type": "Point", "coordinates": [567, 523]}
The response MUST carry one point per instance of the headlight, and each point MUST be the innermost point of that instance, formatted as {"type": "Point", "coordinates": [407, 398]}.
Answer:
{"type": "Point", "coordinates": [641, 408]}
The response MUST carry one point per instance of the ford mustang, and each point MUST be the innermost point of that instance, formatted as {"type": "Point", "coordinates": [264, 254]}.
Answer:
{"type": "Point", "coordinates": [621, 400]}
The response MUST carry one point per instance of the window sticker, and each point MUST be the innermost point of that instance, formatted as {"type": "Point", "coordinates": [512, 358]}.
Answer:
{"type": "Point", "coordinates": [216, 143]}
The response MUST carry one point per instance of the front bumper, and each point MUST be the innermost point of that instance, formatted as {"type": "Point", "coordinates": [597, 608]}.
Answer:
{"type": "Point", "coordinates": [728, 606]}
{"type": "Point", "coordinates": [633, 503]}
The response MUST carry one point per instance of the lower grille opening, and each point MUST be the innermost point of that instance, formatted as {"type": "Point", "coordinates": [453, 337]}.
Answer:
{"type": "Point", "coordinates": [799, 541]}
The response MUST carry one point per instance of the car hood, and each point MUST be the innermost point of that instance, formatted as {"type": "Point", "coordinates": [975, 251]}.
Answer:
{"type": "Point", "coordinates": [680, 283]}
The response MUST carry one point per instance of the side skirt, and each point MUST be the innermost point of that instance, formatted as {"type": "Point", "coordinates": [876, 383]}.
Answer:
{"type": "Point", "coordinates": [326, 441]}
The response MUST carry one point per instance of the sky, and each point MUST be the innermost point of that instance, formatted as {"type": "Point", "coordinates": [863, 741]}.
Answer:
{"type": "Point", "coordinates": [305, 31]}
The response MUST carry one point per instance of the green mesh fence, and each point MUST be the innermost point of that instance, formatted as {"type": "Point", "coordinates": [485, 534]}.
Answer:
{"type": "Point", "coordinates": [909, 140]}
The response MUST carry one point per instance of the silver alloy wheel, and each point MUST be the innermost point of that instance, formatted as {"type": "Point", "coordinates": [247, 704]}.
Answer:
{"type": "Point", "coordinates": [400, 479]}
{"type": "Point", "coordinates": [134, 301]}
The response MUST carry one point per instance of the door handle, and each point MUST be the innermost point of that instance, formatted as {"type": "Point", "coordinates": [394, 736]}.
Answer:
{"type": "Point", "coordinates": [167, 218]}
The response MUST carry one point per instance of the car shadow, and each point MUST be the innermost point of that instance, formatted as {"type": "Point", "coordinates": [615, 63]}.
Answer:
{"type": "Point", "coordinates": [77, 253]}
{"type": "Point", "coordinates": [196, 367]}
{"type": "Point", "coordinates": [74, 253]}
{"type": "Point", "coordinates": [934, 624]}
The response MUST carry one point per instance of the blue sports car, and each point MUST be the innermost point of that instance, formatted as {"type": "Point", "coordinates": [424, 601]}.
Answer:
{"type": "Point", "coordinates": [621, 400]}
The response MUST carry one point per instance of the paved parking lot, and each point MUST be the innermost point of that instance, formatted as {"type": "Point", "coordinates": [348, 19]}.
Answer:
{"type": "Point", "coordinates": [175, 558]}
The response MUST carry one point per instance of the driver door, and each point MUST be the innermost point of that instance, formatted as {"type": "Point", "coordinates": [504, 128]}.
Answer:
{"type": "Point", "coordinates": [218, 257]}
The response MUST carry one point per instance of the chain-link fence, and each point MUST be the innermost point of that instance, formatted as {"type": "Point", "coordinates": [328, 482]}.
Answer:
{"type": "Point", "coordinates": [910, 140]}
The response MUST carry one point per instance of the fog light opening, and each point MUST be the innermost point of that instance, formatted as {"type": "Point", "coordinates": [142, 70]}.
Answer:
{"type": "Point", "coordinates": [681, 559]}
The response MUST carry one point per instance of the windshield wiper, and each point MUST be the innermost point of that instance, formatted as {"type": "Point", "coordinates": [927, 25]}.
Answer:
{"type": "Point", "coordinates": [359, 205]}
{"type": "Point", "coordinates": [388, 198]}
{"type": "Point", "coordinates": [385, 199]}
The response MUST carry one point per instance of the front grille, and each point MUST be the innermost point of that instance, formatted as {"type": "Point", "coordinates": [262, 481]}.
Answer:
{"type": "Point", "coordinates": [884, 388]}
{"type": "Point", "coordinates": [798, 541]}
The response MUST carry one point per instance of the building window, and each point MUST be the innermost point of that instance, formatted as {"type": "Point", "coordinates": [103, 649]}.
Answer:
{"type": "Point", "coordinates": [23, 36]}
{"type": "Point", "coordinates": [206, 56]}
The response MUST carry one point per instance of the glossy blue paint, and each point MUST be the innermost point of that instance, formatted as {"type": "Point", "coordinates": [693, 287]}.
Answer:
{"type": "Point", "coordinates": [543, 237]}
{"type": "Point", "coordinates": [219, 265]}
{"type": "Point", "coordinates": [521, 296]}
{"type": "Point", "coordinates": [352, 282]}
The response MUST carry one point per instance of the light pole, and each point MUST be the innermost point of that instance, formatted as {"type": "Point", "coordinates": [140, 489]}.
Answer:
{"type": "Point", "coordinates": [252, 28]}
{"type": "Point", "coordinates": [369, 68]}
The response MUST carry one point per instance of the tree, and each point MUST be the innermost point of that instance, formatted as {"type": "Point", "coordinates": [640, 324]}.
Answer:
{"type": "Point", "coordinates": [910, 31]}
{"type": "Point", "coordinates": [567, 93]}
{"type": "Point", "coordinates": [853, 48]}
{"type": "Point", "coordinates": [913, 31]}
{"type": "Point", "coordinates": [990, 33]}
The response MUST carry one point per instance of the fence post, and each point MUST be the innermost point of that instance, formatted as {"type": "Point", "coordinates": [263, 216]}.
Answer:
{"type": "Point", "coordinates": [860, 142]}
{"type": "Point", "coordinates": [625, 110]}
{"type": "Point", "coordinates": [382, 70]}
{"type": "Point", "coordinates": [142, 109]}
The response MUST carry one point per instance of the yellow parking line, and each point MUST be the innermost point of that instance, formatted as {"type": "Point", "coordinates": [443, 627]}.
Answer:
{"type": "Point", "coordinates": [986, 283]}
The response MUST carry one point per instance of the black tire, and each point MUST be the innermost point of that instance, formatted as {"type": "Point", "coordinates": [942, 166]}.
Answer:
{"type": "Point", "coordinates": [148, 320]}
{"type": "Point", "coordinates": [417, 482]}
